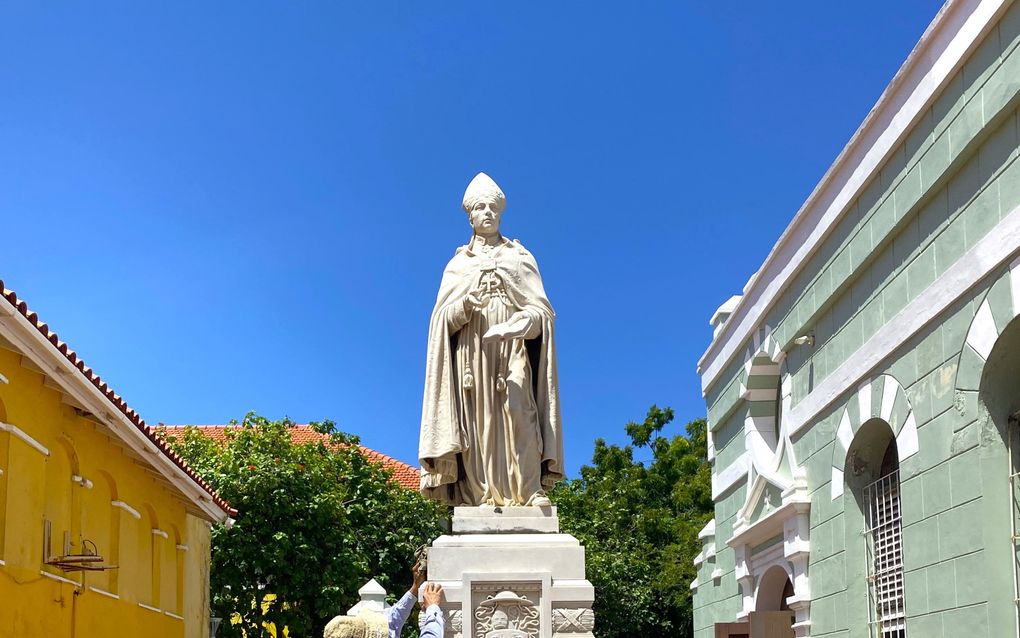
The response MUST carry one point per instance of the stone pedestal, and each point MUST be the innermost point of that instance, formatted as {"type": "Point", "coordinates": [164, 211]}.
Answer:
{"type": "Point", "coordinates": [508, 573]}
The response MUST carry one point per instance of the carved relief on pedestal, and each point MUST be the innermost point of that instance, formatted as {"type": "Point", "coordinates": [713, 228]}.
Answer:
{"type": "Point", "coordinates": [507, 613]}
{"type": "Point", "coordinates": [455, 619]}
{"type": "Point", "coordinates": [573, 621]}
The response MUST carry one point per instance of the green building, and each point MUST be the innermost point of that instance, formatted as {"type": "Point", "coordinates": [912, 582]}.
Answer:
{"type": "Point", "coordinates": [861, 390]}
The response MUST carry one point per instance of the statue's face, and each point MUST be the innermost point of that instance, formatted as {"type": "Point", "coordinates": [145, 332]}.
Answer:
{"type": "Point", "coordinates": [485, 217]}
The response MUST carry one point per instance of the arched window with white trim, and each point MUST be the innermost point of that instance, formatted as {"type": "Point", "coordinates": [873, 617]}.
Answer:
{"type": "Point", "coordinates": [872, 474]}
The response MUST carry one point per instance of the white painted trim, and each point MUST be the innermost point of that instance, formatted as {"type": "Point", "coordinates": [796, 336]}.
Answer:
{"type": "Point", "coordinates": [907, 443]}
{"type": "Point", "coordinates": [182, 548]}
{"type": "Point", "coordinates": [4, 380]}
{"type": "Point", "coordinates": [724, 480]}
{"type": "Point", "coordinates": [173, 615]}
{"type": "Point", "coordinates": [864, 402]}
{"type": "Point", "coordinates": [61, 579]}
{"type": "Point", "coordinates": [889, 387]}
{"type": "Point", "coordinates": [976, 264]}
{"type": "Point", "coordinates": [82, 481]}
{"type": "Point", "coordinates": [983, 333]}
{"type": "Point", "coordinates": [836, 488]}
{"type": "Point", "coordinates": [2, 563]}
{"type": "Point", "coordinates": [127, 508]}
{"type": "Point", "coordinates": [21, 434]}
{"type": "Point", "coordinates": [150, 608]}
{"type": "Point", "coordinates": [708, 531]}
{"type": "Point", "coordinates": [103, 592]}
{"type": "Point", "coordinates": [758, 394]}
{"type": "Point", "coordinates": [160, 533]}
{"type": "Point", "coordinates": [845, 432]}
{"type": "Point", "coordinates": [941, 51]}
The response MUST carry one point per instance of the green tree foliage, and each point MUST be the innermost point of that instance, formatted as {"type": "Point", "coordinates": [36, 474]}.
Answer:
{"type": "Point", "coordinates": [315, 522]}
{"type": "Point", "coordinates": [639, 524]}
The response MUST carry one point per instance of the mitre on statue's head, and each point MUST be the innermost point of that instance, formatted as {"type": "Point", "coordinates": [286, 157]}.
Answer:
{"type": "Point", "coordinates": [482, 188]}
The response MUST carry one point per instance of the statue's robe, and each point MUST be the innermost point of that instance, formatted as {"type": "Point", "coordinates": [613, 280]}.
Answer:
{"type": "Point", "coordinates": [490, 430]}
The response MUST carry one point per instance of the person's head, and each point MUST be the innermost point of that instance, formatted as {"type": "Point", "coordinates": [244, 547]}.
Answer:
{"type": "Point", "coordinates": [367, 624]}
{"type": "Point", "coordinates": [345, 627]}
{"type": "Point", "coordinates": [484, 203]}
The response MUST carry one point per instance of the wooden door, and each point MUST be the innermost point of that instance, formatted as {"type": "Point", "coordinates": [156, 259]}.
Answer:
{"type": "Point", "coordinates": [731, 630]}
{"type": "Point", "coordinates": [771, 624]}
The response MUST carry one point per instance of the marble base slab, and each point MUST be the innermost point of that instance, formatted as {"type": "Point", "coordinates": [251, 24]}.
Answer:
{"type": "Point", "coordinates": [489, 519]}
{"type": "Point", "coordinates": [495, 582]}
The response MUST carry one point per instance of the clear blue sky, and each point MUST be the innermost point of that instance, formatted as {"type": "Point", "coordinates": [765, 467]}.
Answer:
{"type": "Point", "coordinates": [227, 207]}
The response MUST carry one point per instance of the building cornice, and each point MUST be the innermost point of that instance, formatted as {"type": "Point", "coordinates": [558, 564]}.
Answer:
{"type": "Point", "coordinates": [958, 28]}
{"type": "Point", "coordinates": [22, 328]}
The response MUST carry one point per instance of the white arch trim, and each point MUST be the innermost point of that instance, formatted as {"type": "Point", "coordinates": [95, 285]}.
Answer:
{"type": "Point", "coordinates": [994, 314]}
{"type": "Point", "coordinates": [893, 408]}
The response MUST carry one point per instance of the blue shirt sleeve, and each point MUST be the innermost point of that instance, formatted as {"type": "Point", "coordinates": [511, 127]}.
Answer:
{"type": "Point", "coordinates": [435, 623]}
{"type": "Point", "coordinates": [397, 614]}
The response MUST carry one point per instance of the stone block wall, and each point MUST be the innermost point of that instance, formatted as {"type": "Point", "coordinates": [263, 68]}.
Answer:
{"type": "Point", "coordinates": [948, 187]}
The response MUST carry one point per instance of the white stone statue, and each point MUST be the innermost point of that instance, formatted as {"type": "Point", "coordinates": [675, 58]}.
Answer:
{"type": "Point", "coordinates": [490, 431]}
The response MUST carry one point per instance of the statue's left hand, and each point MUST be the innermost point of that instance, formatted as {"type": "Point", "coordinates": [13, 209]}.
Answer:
{"type": "Point", "coordinates": [513, 328]}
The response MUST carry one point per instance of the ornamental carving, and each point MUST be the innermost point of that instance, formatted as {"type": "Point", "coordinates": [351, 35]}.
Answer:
{"type": "Point", "coordinates": [456, 620]}
{"type": "Point", "coordinates": [573, 620]}
{"type": "Point", "coordinates": [507, 615]}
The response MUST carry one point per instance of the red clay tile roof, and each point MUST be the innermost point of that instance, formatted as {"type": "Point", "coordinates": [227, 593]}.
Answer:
{"type": "Point", "coordinates": [406, 475]}
{"type": "Point", "coordinates": [12, 298]}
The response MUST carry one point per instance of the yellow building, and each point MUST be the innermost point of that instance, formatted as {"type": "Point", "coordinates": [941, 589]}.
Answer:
{"type": "Point", "coordinates": [103, 530]}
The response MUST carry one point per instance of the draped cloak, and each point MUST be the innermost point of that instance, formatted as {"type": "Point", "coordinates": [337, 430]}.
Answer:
{"type": "Point", "coordinates": [445, 436]}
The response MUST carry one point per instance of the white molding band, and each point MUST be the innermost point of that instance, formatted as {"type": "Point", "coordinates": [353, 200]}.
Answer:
{"type": "Point", "coordinates": [61, 579]}
{"type": "Point", "coordinates": [182, 548]}
{"type": "Point", "coordinates": [160, 533]}
{"type": "Point", "coordinates": [976, 264]}
{"type": "Point", "coordinates": [173, 615]}
{"type": "Point", "coordinates": [127, 508]}
{"type": "Point", "coordinates": [21, 434]}
{"type": "Point", "coordinates": [103, 592]}
{"type": "Point", "coordinates": [941, 51]}
{"type": "Point", "coordinates": [82, 481]}
{"type": "Point", "coordinates": [731, 475]}
{"type": "Point", "coordinates": [150, 608]}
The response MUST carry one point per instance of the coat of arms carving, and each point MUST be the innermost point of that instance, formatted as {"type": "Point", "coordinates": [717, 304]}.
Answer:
{"type": "Point", "coordinates": [507, 615]}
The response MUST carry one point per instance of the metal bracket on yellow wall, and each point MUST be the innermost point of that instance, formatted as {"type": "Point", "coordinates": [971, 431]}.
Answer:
{"type": "Point", "coordinates": [89, 560]}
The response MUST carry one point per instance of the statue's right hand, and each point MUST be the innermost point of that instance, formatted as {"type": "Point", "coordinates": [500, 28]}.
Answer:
{"type": "Point", "coordinates": [471, 302]}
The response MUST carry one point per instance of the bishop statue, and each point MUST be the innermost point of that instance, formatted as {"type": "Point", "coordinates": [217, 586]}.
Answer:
{"type": "Point", "coordinates": [490, 427]}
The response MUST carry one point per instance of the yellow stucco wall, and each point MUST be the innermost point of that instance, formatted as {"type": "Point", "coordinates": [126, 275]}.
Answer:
{"type": "Point", "coordinates": [161, 588]}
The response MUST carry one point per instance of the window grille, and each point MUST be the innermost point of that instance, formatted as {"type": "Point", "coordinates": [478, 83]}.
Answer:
{"type": "Point", "coordinates": [885, 557]}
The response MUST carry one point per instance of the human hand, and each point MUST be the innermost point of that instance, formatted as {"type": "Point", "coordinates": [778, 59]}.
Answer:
{"type": "Point", "coordinates": [431, 595]}
{"type": "Point", "coordinates": [418, 577]}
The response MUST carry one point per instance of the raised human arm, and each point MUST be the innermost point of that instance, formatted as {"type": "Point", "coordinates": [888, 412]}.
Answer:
{"type": "Point", "coordinates": [397, 614]}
